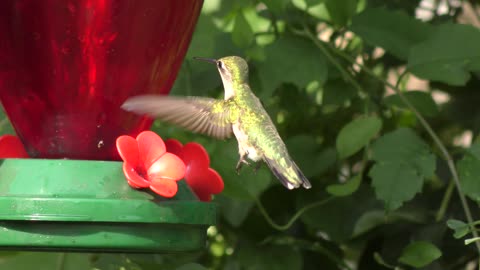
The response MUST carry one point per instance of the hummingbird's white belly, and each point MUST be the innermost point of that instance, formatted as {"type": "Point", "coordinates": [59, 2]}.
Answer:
{"type": "Point", "coordinates": [244, 146]}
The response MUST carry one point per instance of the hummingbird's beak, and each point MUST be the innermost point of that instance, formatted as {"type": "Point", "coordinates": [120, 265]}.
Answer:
{"type": "Point", "coordinates": [210, 60]}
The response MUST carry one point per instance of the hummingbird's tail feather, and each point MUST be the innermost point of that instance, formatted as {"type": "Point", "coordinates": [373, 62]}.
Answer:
{"type": "Point", "coordinates": [288, 173]}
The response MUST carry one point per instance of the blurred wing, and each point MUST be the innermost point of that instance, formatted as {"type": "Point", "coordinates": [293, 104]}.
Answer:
{"type": "Point", "coordinates": [201, 115]}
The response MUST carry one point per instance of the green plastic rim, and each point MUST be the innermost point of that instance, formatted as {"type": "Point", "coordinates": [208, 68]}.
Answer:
{"type": "Point", "coordinates": [88, 206]}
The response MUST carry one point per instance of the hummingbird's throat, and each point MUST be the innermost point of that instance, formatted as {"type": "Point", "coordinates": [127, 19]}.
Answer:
{"type": "Point", "coordinates": [227, 86]}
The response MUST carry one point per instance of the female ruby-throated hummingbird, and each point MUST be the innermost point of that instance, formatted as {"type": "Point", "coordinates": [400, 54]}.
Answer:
{"type": "Point", "coordinates": [240, 113]}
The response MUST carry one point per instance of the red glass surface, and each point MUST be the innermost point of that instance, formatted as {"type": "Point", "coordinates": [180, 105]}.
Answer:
{"type": "Point", "coordinates": [67, 66]}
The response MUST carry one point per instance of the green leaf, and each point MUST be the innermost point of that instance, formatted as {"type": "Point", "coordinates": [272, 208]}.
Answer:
{"type": "Point", "coordinates": [461, 228]}
{"type": "Point", "coordinates": [448, 55]}
{"type": "Point", "coordinates": [372, 219]}
{"type": "Point", "coordinates": [325, 160]}
{"type": "Point", "coordinates": [291, 60]}
{"type": "Point", "coordinates": [244, 186]}
{"type": "Point", "coordinates": [337, 217]}
{"type": "Point", "coordinates": [420, 254]}
{"type": "Point", "coordinates": [248, 184]}
{"type": "Point", "coordinates": [368, 221]}
{"type": "Point", "coordinates": [110, 261]}
{"type": "Point", "coordinates": [395, 183]}
{"type": "Point", "coordinates": [5, 124]}
{"type": "Point", "coordinates": [191, 266]}
{"type": "Point", "coordinates": [422, 101]}
{"type": "Point", "coordinates": [404, 146]}
{"type": "Point", "coordinates": [8, 254]}
{"type": "Point", "coordinates": [203, 41]}
{"type": "Point", "coordinates": [403, 160]}
{"type": "Point", "coordinates": [306, 153]}
{"type": "Point", "coordinates": [242, 33]}
{"type": "Point", "coordinates": [276, 6]}
{"type": "Point", "coordinates": [195, 77]}
{"type": "Point", "coordinates": [310, 3]}
{"type": "Point", "coordinates": [346, 189]}
{"type": "Point", "coordinates": [270, 257]}
{"type": "Point", "coordinates": [133, 261]}
{"type": "Point", "coordinates": [337, 92]}
{"type": "Point", "coordinates": [341, 11]}
{"type": "Point", "coordinates": [394, 31]}
{"type": "Point", "coordinates": [378, 259]}
{"type": "Point", "coordinates": [356, 134]}
{"type": "Point", "coordinates": [234, 210]}
{"type": "Point", "coordinates": [475, 150]}
{"type": "Point", "coordinates": [469, 173]}
{"type": "Point", "coordinates": [306, 4]}
{"type": "Point", "coordinates": [46, 260]}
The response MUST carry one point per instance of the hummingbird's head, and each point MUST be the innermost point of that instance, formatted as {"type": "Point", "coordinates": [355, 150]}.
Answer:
{"type": "Point", "coordinates": [233, 69]}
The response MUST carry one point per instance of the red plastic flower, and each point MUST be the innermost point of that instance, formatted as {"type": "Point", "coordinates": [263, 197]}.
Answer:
{"type": "Point", "coordinates": [12, 147]}
{"type": "Point", "coordinates": [147, 163]}
{"type": "Point", "coordinates": [203, 180]}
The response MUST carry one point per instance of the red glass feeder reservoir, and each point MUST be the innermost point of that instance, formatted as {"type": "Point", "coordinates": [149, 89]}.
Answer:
{"type": "Point", "coordinates": [67, 66]}
{"type": "Point", "coordinates": [65, 69]}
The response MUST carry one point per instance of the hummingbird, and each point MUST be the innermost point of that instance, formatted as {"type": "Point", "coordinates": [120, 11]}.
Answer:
{"type": "Point", "coordinates": [240, 113]}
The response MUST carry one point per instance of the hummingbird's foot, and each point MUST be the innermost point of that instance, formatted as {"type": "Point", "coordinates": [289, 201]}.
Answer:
{"type": "Point", "coordinates": [240, 163]}
{"type": "Point", "coordinates": [257, 166]}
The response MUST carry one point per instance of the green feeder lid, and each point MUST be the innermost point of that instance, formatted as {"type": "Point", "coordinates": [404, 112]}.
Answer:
{"type": "Point", "coordinates": [83, 205]}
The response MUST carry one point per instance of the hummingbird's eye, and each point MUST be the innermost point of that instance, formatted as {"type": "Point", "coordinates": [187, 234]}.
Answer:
{"type": "Point", "coordinates": [220, 64]}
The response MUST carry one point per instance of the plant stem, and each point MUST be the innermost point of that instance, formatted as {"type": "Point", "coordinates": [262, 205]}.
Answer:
{"type": "Point", "coordinates": [445, 201]}
{"type": "Point", "coordinates": [421, 119]}
{"type": "Point", "coordinates": [297, 215]}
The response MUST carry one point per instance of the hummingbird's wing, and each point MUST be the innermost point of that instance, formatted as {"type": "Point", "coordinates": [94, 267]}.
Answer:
{"type": "Point", "coordinates": [201, 115]}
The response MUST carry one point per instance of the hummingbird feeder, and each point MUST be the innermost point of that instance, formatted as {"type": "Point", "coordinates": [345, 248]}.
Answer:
{"type": "Point", "coordinates": [65, 69]}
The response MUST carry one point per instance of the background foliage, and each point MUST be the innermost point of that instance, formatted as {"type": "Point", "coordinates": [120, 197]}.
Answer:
{"type": "Point", "coordinates": [376, 102]}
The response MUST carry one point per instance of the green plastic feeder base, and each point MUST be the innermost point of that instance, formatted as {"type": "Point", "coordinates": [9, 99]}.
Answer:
{"type": "Point", "coordinates": [79, 205]}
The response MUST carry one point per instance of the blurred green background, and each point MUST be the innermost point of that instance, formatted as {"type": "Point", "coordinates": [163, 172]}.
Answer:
{"type": "Point", "coordinates": [368, 96]}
